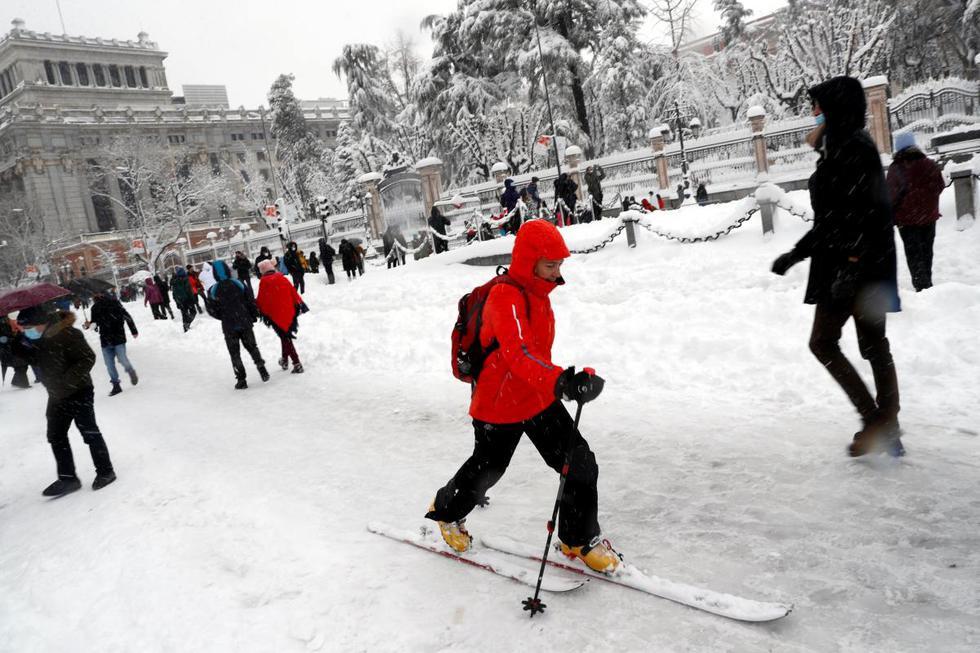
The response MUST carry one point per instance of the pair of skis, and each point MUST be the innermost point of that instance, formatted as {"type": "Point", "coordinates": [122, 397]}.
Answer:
{"type": "Point", "coordinates": [499, 555]}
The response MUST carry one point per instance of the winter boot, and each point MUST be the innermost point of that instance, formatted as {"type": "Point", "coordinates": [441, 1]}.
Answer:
{"type": "Point", "coordinates": [116, 389]}
{"type": "Point", "coordinates": [283, 363]}
{"type": "Point", "coordinates": [263, 374]}
{"type": "Point", "coordinates": [879, 434]}
{"type": "Point", "coordinates": [62, 486]}
{"type": "Point", "coordinates": [298, 368]}
{"type": "Point", "coordinates": [103, 480]}
{"type": "Point", "coordinates": [454, 533]}
{"type": "Point", "coordinates": [133, 378]}
{"type": "Point", "coordinates": [241, 385]}
{"type": "Point", "coordinates": [598, 555]}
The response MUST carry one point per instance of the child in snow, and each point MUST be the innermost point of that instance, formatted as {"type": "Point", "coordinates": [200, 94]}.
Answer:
{"type": "Point", "coordinates": [64, 359]}
{"type": "Point", "coordinates": [280, 306]}
{"type": "Point", "coordinates": [519, 390]}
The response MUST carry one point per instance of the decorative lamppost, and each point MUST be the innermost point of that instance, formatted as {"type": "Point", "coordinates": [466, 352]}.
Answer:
{"type": "Point", "coordinates": [181, 243]}
{"type": "Point", "coordinates": [211, 236]}
{"type": "Point", "coordinates": [244, 228]}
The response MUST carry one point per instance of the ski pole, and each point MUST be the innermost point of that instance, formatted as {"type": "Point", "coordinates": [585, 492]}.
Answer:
{"type": "Point", "coordinates": [534, 604]}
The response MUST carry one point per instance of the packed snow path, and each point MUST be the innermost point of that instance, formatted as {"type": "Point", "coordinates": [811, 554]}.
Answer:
{"type": "Point", "coordinates": [238, 521]}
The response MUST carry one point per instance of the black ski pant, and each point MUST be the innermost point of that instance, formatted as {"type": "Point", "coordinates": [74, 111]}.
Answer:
{"type": "Point", "coordinates": [825, 337]}
{"type": "Point", "coordinates": [165, 308]}
{"type": "Point", "coordinates": [495, 444]}
{"type": "Point", "coordinates": [235, 340]}
{"type": "Point", "coordinates": [298, 282]}
{"type": "Point", "coordinates": [78, 408]}
{"type": "Point", "coordinates": [918, 242]}
{"type": "Point", "coordinates": [157, 310]}
{"type": "Point", "coordinates": [187, 313]}
{"type": "Point", "coordinates": [328, 266]}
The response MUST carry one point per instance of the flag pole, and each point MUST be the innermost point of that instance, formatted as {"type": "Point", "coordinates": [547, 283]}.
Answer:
{"type": "Point", "coordinates": [547, 94]}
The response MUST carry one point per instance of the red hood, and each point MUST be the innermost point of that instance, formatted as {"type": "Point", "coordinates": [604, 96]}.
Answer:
{"type": "Point", "coordinates": [536, 240]}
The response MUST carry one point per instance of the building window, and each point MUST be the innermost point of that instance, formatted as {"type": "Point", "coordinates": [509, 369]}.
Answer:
{"type": "Point", "coordinates": [89, 141]}
{"type": "Point", "coordinates": [215, 164]}
{"type": "Point", "coordinates": [65, 69]}
{"type": "Point", "coordinates": [258, 137]}
{"type": "Point", "coordinates": [105, 218]}
{"type": "Point", "coordinates": [49, 72]}
{"type": "Point", "coordinates": [81, 71]}
{"type": "Point", "coordinates": [6, 83]}
{"type": "Point", "coordinates": [260, 156]}
{"type": "Point", "coordinates": [176, 139]}
{"type": "Point", "coordinates": [114, 75]}
{"type": "Point", "coordinates": [130, 76]}
{"type": "Point", "coordinates": [144, 82]}
{"type": "Point", "coordinates": [238, 137]}
{"type": "Point", "coordinates": [99, 74]}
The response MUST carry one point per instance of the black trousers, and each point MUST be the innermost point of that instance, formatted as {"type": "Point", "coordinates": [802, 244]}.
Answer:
{"type": "Point", "coordinates": [440, 245]}
{"type": "Point", "coordinates": [918, 242]}
{"type": "Point", "coordinates": [495, 444]}
{"type": "Point", "coordinates": [298, 282]}
{"type": "Point", "coordinates": [328, 266]}
{"type": "Point", "coordinates": [157, 310]}
{"type": "Point", "coordinates": [165, 308]}
{"type": "Point", "coordinates": [828, 323]}
{"type": "Point", "coordinates": [235, 340]}
{"type": "Point", "coordinates": [78, 408]}
{"type": "Point", "coordinates": [597, 207]}
{"type": "Point", "coordinates": [187, 313]}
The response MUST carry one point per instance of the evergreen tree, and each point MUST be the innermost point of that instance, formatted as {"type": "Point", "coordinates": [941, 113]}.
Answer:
{"type": "Point", "coordinates": [733, 15]}
{"type": "Point", "coordinates": [299, 151]}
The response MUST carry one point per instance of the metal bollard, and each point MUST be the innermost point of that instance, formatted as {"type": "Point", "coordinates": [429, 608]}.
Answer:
{"type": "Point", "coordinates": [630, 232]}
{"type": "Point", "coordinates": [768, 210]}
{"type": "Point", "coordinates": [963, 189]}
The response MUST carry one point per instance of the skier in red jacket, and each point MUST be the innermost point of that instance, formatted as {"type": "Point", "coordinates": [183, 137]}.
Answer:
{"type": "Point", "coordinates": [519, 391]}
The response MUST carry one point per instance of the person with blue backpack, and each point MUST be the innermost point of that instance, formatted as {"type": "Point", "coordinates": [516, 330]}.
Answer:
{"type": "Point", "coordinates": [502, 346]}
{"type": "Point", "coordinates": [234, 306]}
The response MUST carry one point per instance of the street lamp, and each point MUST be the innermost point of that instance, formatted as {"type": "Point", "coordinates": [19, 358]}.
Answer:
{"type": "Point", "coordinates": [181, 242]}
{"type": "Point", "coordinates": [244, 228]}
{"type": "Point", "coordinates": [211, 236]}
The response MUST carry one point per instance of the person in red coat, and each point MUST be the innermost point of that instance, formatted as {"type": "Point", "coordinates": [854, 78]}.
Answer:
{"type": "Point", "coordinates": [280, 306]}
{"type": "Point", "coordinates": [519, 390]}
{"type": "Point", "coordinates": [915, 183]}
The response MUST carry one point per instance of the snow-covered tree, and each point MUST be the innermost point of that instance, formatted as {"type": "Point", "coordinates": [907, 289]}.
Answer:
{"type": "Point", "coordinates": [299, 152]}
{"type": "Point", "coordinates": [733, 14]}
{"type": "Point", "coordinates": [24, 237]}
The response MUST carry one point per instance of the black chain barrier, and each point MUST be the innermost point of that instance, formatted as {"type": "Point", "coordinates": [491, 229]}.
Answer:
{"type": "Point", "coordinates": [800, 213]}
{"type": "Point", "coordinates": [704, 239]}
{"type": "Point", "coordinates": [595, 248]}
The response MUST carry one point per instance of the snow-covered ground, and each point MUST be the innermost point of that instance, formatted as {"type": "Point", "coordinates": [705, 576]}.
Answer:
{"type": "Point", "coordinates": [238, 521]}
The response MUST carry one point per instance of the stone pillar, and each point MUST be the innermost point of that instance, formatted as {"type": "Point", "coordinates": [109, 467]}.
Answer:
{"type": "Point", "coordinates": [876, 93]}
{"type": "Point", "coordinates": [500, 171]}
{"type": "Point", "coordinates": [430, 170]}
{"type": "Point", "coordinates": [375, 213]}
{"type": "Point", "coordinates": [966, 211]}
{"type": "Point", "coordinates": [573, 157]}
{"type": "Point", "coordinates": [657, 145]}
{"type": "Point", "coordinates": [757, 121]}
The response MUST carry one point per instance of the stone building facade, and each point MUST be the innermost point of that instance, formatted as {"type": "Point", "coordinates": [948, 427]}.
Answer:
{"type": "Point", "coordinates": [62, 97]}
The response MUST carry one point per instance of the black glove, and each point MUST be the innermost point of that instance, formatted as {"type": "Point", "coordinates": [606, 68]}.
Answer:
{"type": "Point", "coordinates": [782, 264]}
{"type": "Point", "coordinates": [303, 308]}
{"type": "Point", "coordinates": [582, 387]}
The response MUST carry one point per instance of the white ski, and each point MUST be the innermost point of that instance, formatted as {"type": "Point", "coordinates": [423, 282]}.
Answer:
{"type": "Point", "coordinates": [725, 605]}
{"type": "Point", "coordinates": [492, 561]}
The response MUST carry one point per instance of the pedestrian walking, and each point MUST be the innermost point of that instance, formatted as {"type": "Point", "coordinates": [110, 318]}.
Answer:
{"type": "Point", "coordinates": [230, 302]}
{"type": "Point", "coordinates": [110, 320]}
{"type": "Point", "coordinates": [59, 350]}
{"type": "Point", "coordinates": [153, 297]}
{"type": "Point", "coordinates": [593, 181]}
{"type": "Point", "coordinates": [184, 297]}
{"type": "Point", "coordinates": [243, 268]}
{"type": "Point", "coordinates": [194, 277]}
{"type": "Point", "coordinates": [161, 283]}
{"type": "Point", "coordinates": [518, 390]}
{"type": "Point", "coordinates": [851, 248]}
{"type": "Point", "coordinates": [565, 198]}
{"type": "Point", "coordinates": [327, 255]}
{"type": "Point", "coordinates": [280, 306]}
{"type": "Point", "coordinates": [438, 224]}
{"type": "Point", "coordinates": [8, 333]}
{"type": "Point", "coordinates": [534, 195]}
{"type": "Point", "coordinates": [348, 257]}
{"type": "Point", "coordinates": [915, 183]}
{"type": "Point", "coordinates": [295, 266]}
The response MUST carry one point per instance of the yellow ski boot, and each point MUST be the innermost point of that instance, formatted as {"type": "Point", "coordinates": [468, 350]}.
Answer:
{"type": "Point", "coordinates": [598, 555]}
{"type": "Point", "coordinates": [454, 533]}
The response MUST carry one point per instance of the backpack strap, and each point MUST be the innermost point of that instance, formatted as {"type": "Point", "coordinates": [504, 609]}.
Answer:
{"type": "Point", "coordinates": [494, 345]}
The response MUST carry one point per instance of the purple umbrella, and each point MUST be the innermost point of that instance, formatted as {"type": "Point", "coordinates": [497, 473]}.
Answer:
{"type": "Point", "coordinates": [21, 298]}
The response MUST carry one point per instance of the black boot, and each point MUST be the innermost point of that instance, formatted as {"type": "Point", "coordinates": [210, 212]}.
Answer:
{"type": "Point", "coordinates": [241, 385]}
{"type": "Point", "coordinates": [116, 389]}
{"type": "Point", "coordinates": [263, 374]}
{"type": "Point", "coordinates": [297, 368]}
{"type": "Point", "coordinates": [103, 480]}
{"type": "Point", "coordinates": [62, 487]}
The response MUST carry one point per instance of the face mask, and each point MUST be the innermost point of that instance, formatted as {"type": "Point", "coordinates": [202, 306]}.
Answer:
{"type": "Point", "coordinates": [33, 333]}
{"type": "Point", "coordinates": [819, 119]}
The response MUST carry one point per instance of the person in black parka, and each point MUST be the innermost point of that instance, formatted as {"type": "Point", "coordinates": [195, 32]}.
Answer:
{"type": "Point", "coordinates": [243, 268]}
{"type": "Point", "coordinates": [326, 259]}
{"type": "Point", "coordinates": [295, 266]}
{"type": "Point", "coordinates": [164, 287]}
{"type": "Point", "coordinates": [438, 223]}
{"type": "Point", "coordinates": [851, 248]}
{"type": "Point", "coordinates": [231, 303]}
{"type": "Point", "coordinates": [110, 319]}
{"type": "Point", "coordinates": [348, 257]}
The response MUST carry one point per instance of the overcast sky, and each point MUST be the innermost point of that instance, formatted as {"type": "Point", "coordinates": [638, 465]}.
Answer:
{"type": "Point", "coordinates": [245, 44]}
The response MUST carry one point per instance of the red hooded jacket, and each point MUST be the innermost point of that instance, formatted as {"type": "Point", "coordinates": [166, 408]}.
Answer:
{"type": "Point", "coordinates": [518, 379]}
{"type": "Point", "coordinates": [278, 301]}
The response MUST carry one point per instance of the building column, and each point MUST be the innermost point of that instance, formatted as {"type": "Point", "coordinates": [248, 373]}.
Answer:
{"type": "Point", "coordinates": [372, 202]}
{"type": "Point", "coordinates": [757, 121]}
{"type": "Point", "coordinates": [430, 170]}
{"type": "Point", "coordinates": [876, 93]}
{"type": "Point", "coordinates": [660, 161]}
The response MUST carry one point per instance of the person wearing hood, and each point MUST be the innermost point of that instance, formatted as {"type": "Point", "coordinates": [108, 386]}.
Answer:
{"type": "Point", "coordinates": [9, 333]}
{"type": "Point", "coordinates": [64, 358]}
{"type": "Point", "coordinates": [184, 297]}
{"type": "Point", "coordinates": [388, 246]}
{"type": "Point", "coordinates": [243, 268]}
{"type": "Point", "coordinates": [264, 255]}
{"type": "Point", "coordinates": [110, 319]}
{"type": "Point", "coordinates": [565, 190]}
{"type": "Point", "coordinates": [915, 183]}
{"type": "Point", "coordinates": [314, 263]}
{"type": "Point", "coordinates": [701, 194]}
{"type": "Point", "coordinates": [509, 198]}
{"type": "Point", "coordinates": [231, 303]}
{"type": "Point", "coordinates": [519, 391]}
{"type": "Point", "coordinates": [593, 181]}
{"type": "Point", "coordinates": [438, 224]}
{"type": "Point", "coordinates": [327, 255]}
{"type": "Point", "coordinates": [348, 257]}
{"type": "Point", "coordinates": [164, 287]}
{"type": "Point", "coordinates": [280, 306]}
{"type": "Point", "coordinates": [295, 266]}
{"type": "Point", "coordinates": [534, 196]}
{"type": "Point", "coordinates": [851, 248]}
{"type": "Point", "coordinates": [153, 297]}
